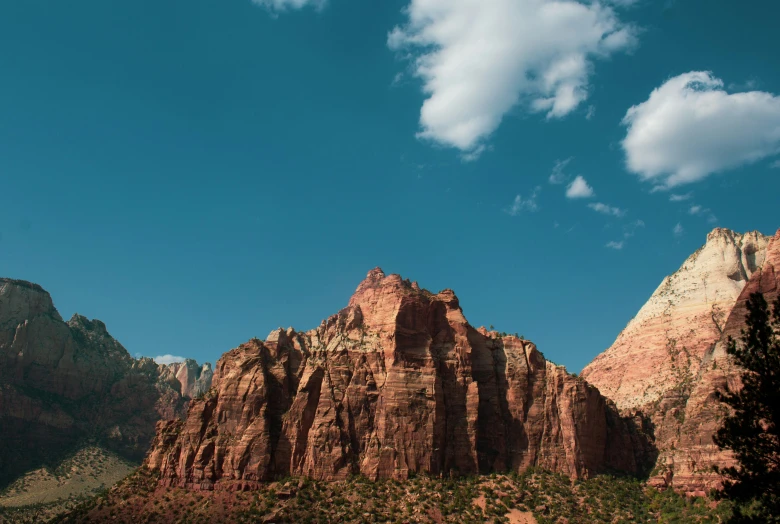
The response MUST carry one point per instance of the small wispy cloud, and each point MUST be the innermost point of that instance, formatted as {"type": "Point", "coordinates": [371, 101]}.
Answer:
{"type": "Point", "coordinates": [697, 210]}
{"type": "Point", "coordinates": [629, 230]}
{"type": "Point", "coordinates": [528, 204]}
{"type": "Point", "coordinates": [591, 112]}
{"type": "Point", "coordinates": [284, 5]}
{"type": "Point", "coordinates": [474, 154]}
{"type": "Point", "coordinates": [168, 359]}
{"type": "Point", "coordinates": [679, 198]}
{"type": "Point", "coordinates": [606, 210]}
{"type": "Point", "coordinates": [579, 188]}
{"type": "Point", "coordinates": [558, 176]}
{"type": "Point", "coordinates": [678, 230]}
{"type": "Point", "coordinates": [775, 164]}
{"type": "Point", "coordinates": [616, 245]}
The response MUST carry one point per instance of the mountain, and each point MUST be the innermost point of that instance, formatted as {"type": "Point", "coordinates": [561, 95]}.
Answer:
{"type": "Point", "coordinates": [65, 383]}
{"type": "Point", "coordinates": [194, 380]}
{"type": "Point", "coordinates": [670, 360]}
{"type": "Point", "coordinates": [396, 383]}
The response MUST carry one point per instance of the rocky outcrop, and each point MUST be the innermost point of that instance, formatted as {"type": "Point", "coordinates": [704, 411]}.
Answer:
{"type": "Point", "coordinates": [62, 382]}
{"type": "Point", "coordinates": [670, 359]}
{"type": "Point", "coordinates": [396, 383]}
{"type": "Point", "coordinates": [687, 461]}
{"type": "Point", "coordinates": [194, 380]}
{"type": "Point", "coordinates": [661, 349]}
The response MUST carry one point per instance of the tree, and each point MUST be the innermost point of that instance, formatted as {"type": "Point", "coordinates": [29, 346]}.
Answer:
{"type": "Point", "coordinates": [752, 428]}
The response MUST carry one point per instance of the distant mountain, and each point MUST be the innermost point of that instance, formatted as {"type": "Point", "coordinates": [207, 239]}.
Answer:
{"type": "Point", "coordinates": [397, 383]}
{"type": "Point", "coordinates": [670, 359]}
{"type": "Point", "coordinates": [66, 383]}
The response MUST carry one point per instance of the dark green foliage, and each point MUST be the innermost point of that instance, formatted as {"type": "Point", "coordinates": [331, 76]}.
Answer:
{"type": "Point", "coordinates": [752, 429]}
{"type": "Point", "coordinates": [552, 498]}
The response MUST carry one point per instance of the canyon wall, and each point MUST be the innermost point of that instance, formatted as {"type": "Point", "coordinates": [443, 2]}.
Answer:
{"type": "Point", "coordinates": [396, 383]}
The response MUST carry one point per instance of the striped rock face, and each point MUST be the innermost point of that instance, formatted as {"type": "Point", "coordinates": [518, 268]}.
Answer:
{"type": "Point", "coordinates": [396, 383]}
{"type": "Point", "coordinates": [670, 360]}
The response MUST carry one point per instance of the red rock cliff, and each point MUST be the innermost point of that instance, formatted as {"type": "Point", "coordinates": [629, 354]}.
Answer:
{"type": "Point", "coordinates": [62, 382]}
{"type": "Point", "coordinates": [397, 382]}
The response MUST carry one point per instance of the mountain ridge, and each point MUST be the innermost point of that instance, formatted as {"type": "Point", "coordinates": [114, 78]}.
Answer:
{"type": "Point", "coordinates": [670, 365]}
{"type": "Point", "coordinates": [62, 383]}
{"type": "Point", "coordinates": [396, 383]}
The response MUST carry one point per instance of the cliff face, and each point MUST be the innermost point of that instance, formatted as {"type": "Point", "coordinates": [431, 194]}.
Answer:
{"type": "Point", "coordinates": [663, 346]}
{"type": "Point", "coordinates": [61, 382]}
{"type": "Point", "coordinates": [670, 359]}
{"type": "Point", "coordinates": [194, 380]}
{"type": "Point", "coordinates": [397, 382]}
{"type": "Point", "coordinates": [687, 464]}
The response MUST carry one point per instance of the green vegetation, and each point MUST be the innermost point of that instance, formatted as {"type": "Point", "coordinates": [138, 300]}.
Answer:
{"type": "Point", "coordinates": [551, 498]}
{"type": "Point", "coordinates": [752, 429]}
{"type": "Point", "coordinates": [50, 490]}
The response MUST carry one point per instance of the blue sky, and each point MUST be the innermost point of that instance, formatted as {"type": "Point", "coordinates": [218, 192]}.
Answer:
{"type": "Point", "coordinates": [195, 173]}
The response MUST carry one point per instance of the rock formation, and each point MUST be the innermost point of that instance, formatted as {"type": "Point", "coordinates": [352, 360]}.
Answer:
{"type": "Point", "coordinates": [670, 359]}
{"type": "Point", "coordinates": [63, 382]}
{"type": "Point", "coordinates": [194, 380]}
{"type": "Point", "coordinates": [396, 383]}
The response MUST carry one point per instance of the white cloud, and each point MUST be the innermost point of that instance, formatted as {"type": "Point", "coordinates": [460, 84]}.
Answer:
{"type": "Point", "coordinates": [579, 188]}
{"type": "Point", "coordinates": [558, 176]}
{"type": "Point", "coordinates": [591, 112]}
{"type": "Point", "coordinates": [679, 198]}
{"type": "Point", "coordinates": [528, 204]}
{"type": "Point", "coordinates": [284, 5]}
{"type": "Point", "coordinates": [607, 210]}
{"type": "Point", "coordinates": [615, 245]}
{"type": "Point", "coordinates": [775, 164]}
{"type": "Point", "coordinates": [678, 230]}
{"type": "Point", "coordinates": [168, 359]}
{"type": "Point", "coordinates": [695, 210]}
{"type": "Point", "coordinates": [478, 59]}
{"type": "Point", "coordinates": [690, 128]}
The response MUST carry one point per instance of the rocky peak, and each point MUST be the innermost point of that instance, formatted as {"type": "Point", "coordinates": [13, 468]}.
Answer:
{"type": "Point", "coordinates": [397, 382]}
{"type": "Point", "coordinates": [21, 300]}
{"type": "Point", "coordinates": [193, 379]}
{"type": "Point", "coordinates": [92, 335]}
{"type": "Point", "coordinates": [63, 382]}
{"type": "Point", "coordinates": [663, 345]}
{"type": "Point", "coordinates": [671, 360]}
{"type": "Point", "coordinates": [381, 299]}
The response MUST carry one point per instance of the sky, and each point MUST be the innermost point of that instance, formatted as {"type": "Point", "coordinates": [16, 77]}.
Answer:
{"type": "Point", "coordinates": [196, 173]}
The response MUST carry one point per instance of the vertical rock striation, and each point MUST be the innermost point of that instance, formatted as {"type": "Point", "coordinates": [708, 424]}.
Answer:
{"type": "Point", "coordinates": [194, 380]}
{"type": "Point", "coordinates": [396, 383]}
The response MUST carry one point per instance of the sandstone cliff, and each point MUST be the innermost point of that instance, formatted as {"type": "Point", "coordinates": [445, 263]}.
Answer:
{"type": "Point", "coordinates": [194, 380]}
{"type": "Point", "coordinates": [63, 382]}
{"type": "Point", "coordinates": [396, 383]}
{"type": "Point", "coordinates": [670, 359]}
